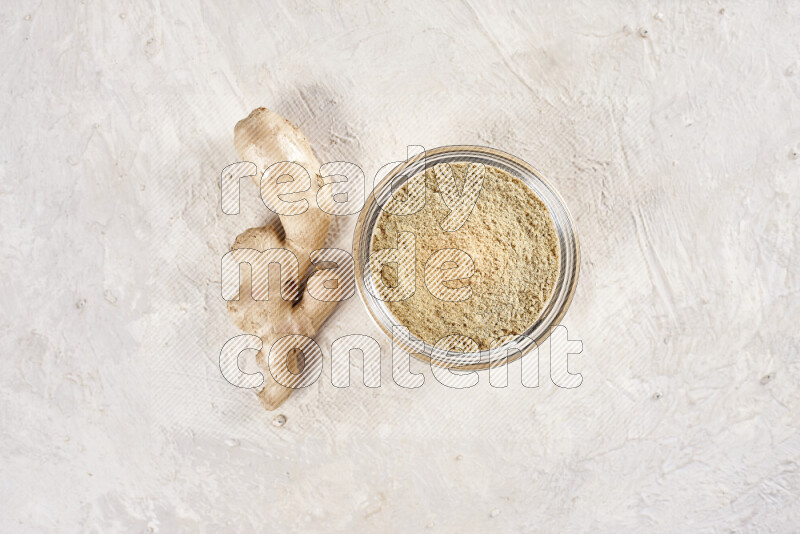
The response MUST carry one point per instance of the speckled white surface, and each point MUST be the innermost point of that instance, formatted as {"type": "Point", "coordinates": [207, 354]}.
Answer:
{"type": "Point", "coordinates": [672, 130]}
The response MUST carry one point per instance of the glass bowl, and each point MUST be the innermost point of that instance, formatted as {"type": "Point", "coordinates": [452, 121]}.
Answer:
{"type": "Point", "coordinates": [567, 238]}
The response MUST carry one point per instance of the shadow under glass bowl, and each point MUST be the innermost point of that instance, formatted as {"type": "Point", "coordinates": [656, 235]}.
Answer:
{"type": "Point", "coordinates": [568, 244]}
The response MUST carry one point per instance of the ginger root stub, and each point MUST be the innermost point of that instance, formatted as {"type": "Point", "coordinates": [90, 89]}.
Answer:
{"type": "Point", "coordinates": [265, 138]}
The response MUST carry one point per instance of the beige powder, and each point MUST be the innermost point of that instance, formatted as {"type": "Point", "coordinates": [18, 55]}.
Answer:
{"type": "Point", "coordinates": [512, 241]}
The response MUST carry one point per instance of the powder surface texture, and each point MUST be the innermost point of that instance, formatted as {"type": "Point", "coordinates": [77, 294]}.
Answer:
{"type": "Point", "coordinates": [512, 241]}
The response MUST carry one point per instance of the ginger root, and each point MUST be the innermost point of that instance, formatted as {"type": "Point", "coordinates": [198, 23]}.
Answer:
{"type": "Point", "coordinates": [264, 138]}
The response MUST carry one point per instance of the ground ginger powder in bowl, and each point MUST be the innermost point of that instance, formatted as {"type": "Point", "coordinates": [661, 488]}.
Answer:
{"type": "Point", "coordinates": [512, 241]}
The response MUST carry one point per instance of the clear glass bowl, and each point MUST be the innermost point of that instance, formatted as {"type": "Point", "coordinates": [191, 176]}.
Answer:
{"type": "Point", "coordinates": [565, 228]}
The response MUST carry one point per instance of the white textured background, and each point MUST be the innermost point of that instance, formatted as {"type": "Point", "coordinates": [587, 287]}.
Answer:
{"type": "Point", "coordinates": [672, 129]}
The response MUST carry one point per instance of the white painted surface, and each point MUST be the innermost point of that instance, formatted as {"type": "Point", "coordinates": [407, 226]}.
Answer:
{"type": "Point", "coordinates": [677, 153]}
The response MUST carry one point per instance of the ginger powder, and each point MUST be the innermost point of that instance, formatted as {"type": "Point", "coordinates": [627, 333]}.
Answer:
{"type": "Point", "coordinates": [508, 237]}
